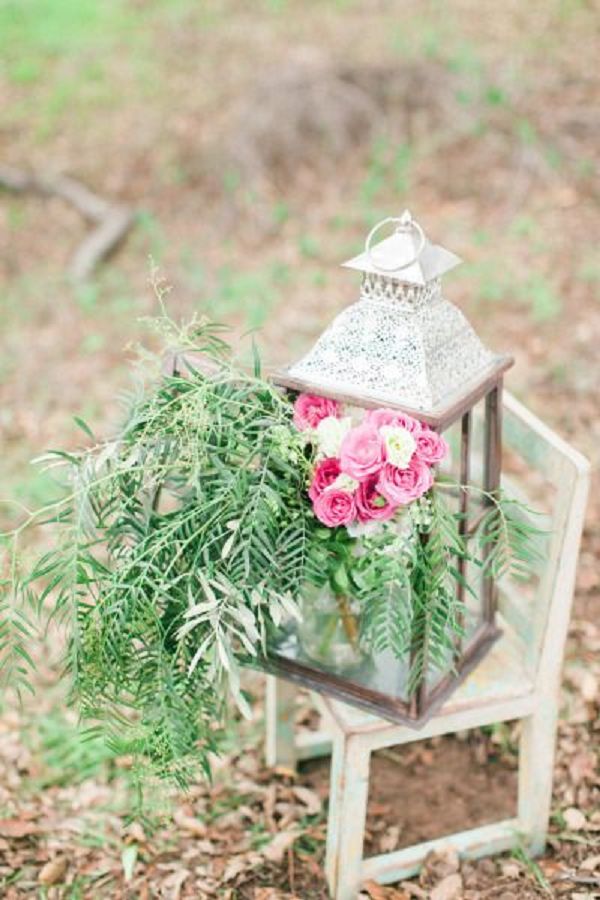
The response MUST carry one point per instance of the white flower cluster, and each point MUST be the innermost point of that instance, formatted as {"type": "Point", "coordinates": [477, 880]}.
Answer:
{"type": "Point", "coordinates": [330, 433]}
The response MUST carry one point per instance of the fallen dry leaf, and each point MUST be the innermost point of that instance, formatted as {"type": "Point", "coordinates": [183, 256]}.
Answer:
{"type": "Point", "coordinates": [189, 823]}
{"type": "Point", "coordinates": [589, 687]}
{"type": "Point", "coordinates": [17, 828]}
{"type": "Point", "coordinates": [591, 864]}
{"type": "Point", "coordinates": [285, 772]}
{"type": "Point", "coordinates": [440, 863]}
{"type": "Point", "coordinates": [379, 809]}
{"type": "Point", "coordinates": [136, 832]}
{"type": "Point", "coordinates": [449, 888]}
{"type": "Point", "coordinates": [574, 819]}
{"type": "Point", "coordinates": [54, 871]}
{"type": "Point", "coordinates": [275, 850]}
{"type": "Point", "coordinates": [375, 891]}
{"type": "Point", "coordinates": [510, 869]}
{"type": "Point", "coordinates": [235, 867]}
{"type": "Point", "coordinates": [269, 802]}
{"type": "Point", "coordinates": [170, 888]}
{"type": "Point", "coordinates": [262, 893]}
{"type": "Point", "coordinates": [389, 839]}
{"type": "Point", "coordinates": [582, 766]}
{"type": "Point", "coordinates": [309, 798]}
{"type": "Point", "coordinates": [413, 890]}
{"type": "Point", "coordinates": [378, 892]}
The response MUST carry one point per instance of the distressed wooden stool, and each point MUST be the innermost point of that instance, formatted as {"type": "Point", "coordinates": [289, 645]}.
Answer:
{"type": "Point", "coordinates": [518, 679]}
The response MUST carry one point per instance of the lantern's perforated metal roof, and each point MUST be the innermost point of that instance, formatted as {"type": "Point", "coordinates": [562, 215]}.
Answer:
{"type": "Point", "coordinates": [402, 342]}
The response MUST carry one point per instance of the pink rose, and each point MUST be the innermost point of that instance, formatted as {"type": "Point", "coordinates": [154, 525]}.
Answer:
{"type": "Point", "coordinates": [401, 486]}
{"type": "Point", "coordinates": [334, 508]}
{"type": "Point", "coordinates": [310, 409]}
{"type": "Point", "coordinates": [325, 474]}
{"type": "Point", "coordinates": [431, 446]}
{"type": "Point", "coordinates": [380, 417]}
{"type": "Point", "coordinates": [362, 452]}
{"type": "Point", "coordinates": [371, 504]}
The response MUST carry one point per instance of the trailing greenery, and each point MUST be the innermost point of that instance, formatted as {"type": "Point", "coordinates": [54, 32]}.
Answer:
{"type": "Point", "coordinates": [508, 539]}
{"type": "Point", "coordinates": [408, 582]}
{"type": "Point", "coordinates": [180, 542]}
{"type": "Point", "coordinates": [183, 544]}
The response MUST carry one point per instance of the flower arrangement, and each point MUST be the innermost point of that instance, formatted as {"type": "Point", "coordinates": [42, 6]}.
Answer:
{"type": "Point", "coordinates": [366, 472]}
{"type": "Point", "coordinates": [183, 544]}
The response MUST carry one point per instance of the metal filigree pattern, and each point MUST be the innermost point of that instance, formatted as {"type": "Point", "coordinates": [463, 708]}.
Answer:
{"type": "Point", "coordinates": [399, 343]}
{"type": "Point", "coordinates": [379, 287]}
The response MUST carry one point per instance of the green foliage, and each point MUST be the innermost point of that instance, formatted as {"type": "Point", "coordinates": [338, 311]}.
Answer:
{"type": "Point", "coordinates": [383, 586]}
{"type": "Point", "coordinates": [413, 607]}
{"type": "Point", "coordinates": [408, 583]}
{"type": "Point", "coordinates": [508, 540]}
{"type": "Point", "coordinates": [249, 295]}
{"type": "Point", "coordinates": [180, 544]}
{"type": "Point", "coordinates": [437, 613]}
{"type": "Point", "coordinates": [67, 756]}
{"type": "Point", "coordinates": [389, 168]}
{"type": "Point", "coordinates": [17, 629]}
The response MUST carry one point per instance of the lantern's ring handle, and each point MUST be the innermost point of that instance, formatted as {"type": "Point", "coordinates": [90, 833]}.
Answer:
{"type": "Point", "coordinates": [402, 225]}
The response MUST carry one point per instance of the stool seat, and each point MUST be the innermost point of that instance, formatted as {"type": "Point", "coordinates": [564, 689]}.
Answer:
{"type": "Point", "coordinates": [499, 678]}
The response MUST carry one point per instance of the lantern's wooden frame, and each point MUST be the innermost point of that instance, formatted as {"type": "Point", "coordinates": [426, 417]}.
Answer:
{"type": "Point", "coordinates": [488, 387]}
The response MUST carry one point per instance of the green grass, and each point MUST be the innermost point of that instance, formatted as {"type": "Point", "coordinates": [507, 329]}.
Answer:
{"type": "Point", "coordinates": [522, 856]}
{"type": "Point", "coordinates": [50, 28]}
{"type": "Point", "coordinates": [66, 755]}
{"type": "Point", "coordinates": [70, 55]}
{"type": "Point", "coordinates": [388, 174]}
{"type": "Point", "coordinates": [247, 295]}
{"type": "Point", "coordinates": [589, 267]}
{"type": "Point", "coordinates": [495, 283]}
{"type": "Point", "coordinates": [541, 297]}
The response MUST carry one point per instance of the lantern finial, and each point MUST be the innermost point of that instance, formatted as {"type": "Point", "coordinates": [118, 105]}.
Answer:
{"type": "Point", "coordinates": [405, 225]}
{"type": "Point", "coordinates": [407, 255]}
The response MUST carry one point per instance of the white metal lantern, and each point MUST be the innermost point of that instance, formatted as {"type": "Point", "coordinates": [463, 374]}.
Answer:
{"type": "Point", "coordinates": [403, 345]}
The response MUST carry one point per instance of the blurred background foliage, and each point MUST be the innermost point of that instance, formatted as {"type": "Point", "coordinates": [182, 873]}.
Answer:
{"type": "Point", "coordinates": [256, 144]}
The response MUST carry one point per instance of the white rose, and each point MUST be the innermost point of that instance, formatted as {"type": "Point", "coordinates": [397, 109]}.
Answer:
{"type": "Point", "coordinates": [399, 444]}
{"type": "Point", "coordinates": [365, 529]}
{"type": "Point", "coordinates": [330, 434]}
{"type": "Point", "coordinates": [344, 483]}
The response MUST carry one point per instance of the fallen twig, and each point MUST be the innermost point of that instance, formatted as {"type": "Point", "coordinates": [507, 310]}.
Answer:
{"type": "Point", "coordinates": [112, 221]}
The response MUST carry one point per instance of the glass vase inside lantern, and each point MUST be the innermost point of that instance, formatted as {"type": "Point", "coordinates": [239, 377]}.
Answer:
{"type": "Point", "coordinates": [403, 346]}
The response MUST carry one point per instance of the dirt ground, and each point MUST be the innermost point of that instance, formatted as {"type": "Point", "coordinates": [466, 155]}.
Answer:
{"type": "Point", "coordinates": [257, 143]}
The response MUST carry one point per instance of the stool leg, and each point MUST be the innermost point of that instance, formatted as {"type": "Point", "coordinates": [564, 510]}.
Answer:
{"type": "Point", "coordinates": [536, 764]}
{"type": "Point", "coordinates": [279, 720]}
{"type": "Point", "coordinates": [348, 796]}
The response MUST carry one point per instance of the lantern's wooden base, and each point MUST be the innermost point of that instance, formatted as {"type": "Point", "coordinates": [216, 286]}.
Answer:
{"type": "Point", "coordinates": [387, 707]}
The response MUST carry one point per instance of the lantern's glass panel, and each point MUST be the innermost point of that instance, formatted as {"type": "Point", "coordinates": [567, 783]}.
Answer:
{"type": "Point", "coordinates": [321, 642]}
{"type": "Point", "coordinates": [320, 649]}
{"type": "Point", "coordinates": [518, 599]}
{"type": "Point", "coordinates": [473, 601]}
{"type": "Point", "coordinates": [379, 673]}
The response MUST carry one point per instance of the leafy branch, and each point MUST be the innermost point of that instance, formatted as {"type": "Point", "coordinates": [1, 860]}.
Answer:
{"type": "Point", "coordinates": [177, 545]}
{"type": "Point", "coordinates": [508, 539]}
